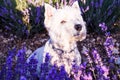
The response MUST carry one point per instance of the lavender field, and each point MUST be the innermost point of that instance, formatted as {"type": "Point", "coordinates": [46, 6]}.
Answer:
{"type": "Point", "coordinates": [22, 31]}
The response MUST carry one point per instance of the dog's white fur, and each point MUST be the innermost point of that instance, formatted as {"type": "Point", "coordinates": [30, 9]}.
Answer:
{"type": "Point", "coordinates": [60, 23]}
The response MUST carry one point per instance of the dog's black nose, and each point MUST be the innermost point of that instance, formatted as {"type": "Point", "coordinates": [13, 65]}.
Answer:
{"type": "Point", "coordinates": [78, 27]}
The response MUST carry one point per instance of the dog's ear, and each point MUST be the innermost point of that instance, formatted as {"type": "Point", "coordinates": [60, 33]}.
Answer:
{"type": "Point", "coordinates": [76, 5]}
{"type": "Point", "coordinates": [49, 11]}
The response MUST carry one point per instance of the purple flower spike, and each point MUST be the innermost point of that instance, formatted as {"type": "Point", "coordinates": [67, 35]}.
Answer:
{"type": "Point", "coordinates": [101, 2]}
{"type": "Point", "coordinates": [47, 58]}
{"type": "Point", "coordinates": [38, 11]}
{"type": "Point", "coordinates": [103, 26]}
{"type": "Point", "coordinates": [107, 34]}
{"type": "Point", "coordinates": [109, 45]}
{"type": "Point", "coordinates": [96, 5]}
{"type": "Point", "coordinates": [95, 54]}
{"type": "Point", "coordinates": [23, 78]}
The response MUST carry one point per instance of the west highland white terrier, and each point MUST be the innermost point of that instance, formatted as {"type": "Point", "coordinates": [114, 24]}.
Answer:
{"type": "Point", "coordinates": [65, 27]}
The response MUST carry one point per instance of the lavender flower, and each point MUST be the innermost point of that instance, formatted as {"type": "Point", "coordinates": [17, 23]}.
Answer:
{"type": "Point", "coordinates": [9, 65]}
{"type": "Point", "coordinates": [52, 74]}
{"type": "Point", "coordinates": [7, 28]}
{"type": "Point", "coordinates": [48, 57]}
{"type": "Point", "coordinates": [7, 2]}
{"type": "Point", "coordinates": [76, 71]}
{"type": "Point", "coordinates": [96, 56]}
{"type": "Point", "coordinates": [104, 73]}
{"type": "Point", "coordinates": [103, 26]}
{"type": "Point", "coordinates": [101, 2]}
{"type": "Point", "coordinates": [63, 74]}
{"type": "Point", "coordinates": [32, 68]}
{"type": "Point", "coordinates": [9, 71]}
{"type": "Point", "coordinates": [3, 72]}
{"type": "Point", "coordinates": [118, 73]}
{"type": "Point", "coordinates": [3, 11]}
{"type": "Point", "coordinates": [21, 67]}
{"type": "Point", "coordinates": [109, 41]}
{"type": "Point", "coordinates": [23, 78]}
{"type": "Point", "coordinates": [92, 3]}
{"type": "Point", "coordinates": [114, 77]}
{"type": "Point", "coordinates": [107, 34]}
{"type": "Point", "coordinates": [96, 4]}
{"type": "Point", "coordinates": [109, 46]}
{"type": "Point", "coordinates": [38, 11]}
{"type": "Point", "coordinates": [87, 76]}
{"type": "Point", "coordinates": [109, 12]}
{"type": "Point", "coordinates": [45, 67]}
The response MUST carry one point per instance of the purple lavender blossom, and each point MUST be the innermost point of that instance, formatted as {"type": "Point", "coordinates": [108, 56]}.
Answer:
{"type": "Point", "coordinates": [7, 28]}
{"type": "Point", "coordinates": [104, 73]}
{"type": "Point", "coordinates": [103, 26]}
{"type": "Point", "coordinates": [92, 3]}
{"type": "Point", "coordinates": [96, 56]}
{"type": "Point", "coordinates": [109, 41]}
{"type": "Point", "coordinates": [45, 67]}
{"type": "Point", "coordinates": [20, 21]}
{"type": "Point", "coordinates": [101, 2]}
{"type": "Point", "coordinates": [52, 74]}
{"type": "Point", "coordinates": [114, 77]}
{"type": "Point", "coordinates": [32, 68]}
{"type": "Point", "coordinates": [21, 67]}
{"type": "Point", "coordinates": [96, 4]}
{"type": "Point", "coordinates": [87, 76]}
{"type": "Point", "coordinates": [109, 45]}
{"type": "Point", "coordinates": [63, 74]}
{"type": "Point", "coordinates": [77, 71]}
{"type": "Point", "coordinates": [38, 11]}
{"type": "Point", "coordinates": [9, 65]}
{"type": "Point", "coordinates": [23, 78]}
{"type": "Point", "coordinates": [107, 34]}
{"type": "Point", "coordinates": [3, 72]}
{"type": "Point", "coordinates": [7, 3]}
{"type": "Point", "coordinates": [3, 11]}
{"type": "Point", "coordinates": [9, 71]}
{"type": "Point", "coordinates": [109, 12]}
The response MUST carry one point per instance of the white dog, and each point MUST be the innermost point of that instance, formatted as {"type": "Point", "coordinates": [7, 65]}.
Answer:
{"type": "Point", "coordinates": [65, 27]}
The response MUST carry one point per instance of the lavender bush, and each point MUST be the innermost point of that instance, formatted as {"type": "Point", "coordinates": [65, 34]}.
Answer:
{"type": "Point", "coordinates": [21, 18]}
{"type": "Point", "coordinates": [25, 18]}
{"type": "Point", "coordinates": [97, 11]}
{"type": "Point", "coordinates": [11, 18]}
{"type": "Point", "coordinates": [94, 67]}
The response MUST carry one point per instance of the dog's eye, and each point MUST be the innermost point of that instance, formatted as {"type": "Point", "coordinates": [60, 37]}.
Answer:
{"type": "Point", "coordinates": [63, 21]}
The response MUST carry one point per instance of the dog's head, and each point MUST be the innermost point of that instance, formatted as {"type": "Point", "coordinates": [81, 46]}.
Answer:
{"type": "Point", "coordinates": [65, 23]}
